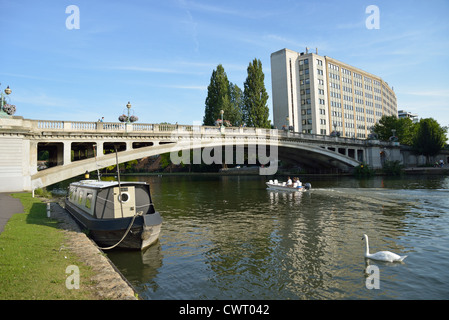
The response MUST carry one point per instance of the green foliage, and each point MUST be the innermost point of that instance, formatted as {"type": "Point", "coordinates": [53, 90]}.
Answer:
{"type": "Point", "coordinates": [426, 137]}
{"type": "Point", "coordinates": [165, 160]}
{"type": "Point", "coordinates": [430, 137]}
{"type": "Point", "coordinates": [404, 129]}
{"type": "Point", "coordinates": [363, 170]}
{"type": "Point", "coordinates": [217, 96]}
{"type": "Point", "coordinates": [255, 97]}
{"type": "Point", "coordinates": [235, 113]}
{"type": "Point", "coordinates": [43, 193]}
{"type": "Point", "coordinates": [222, 95]}
{"type": "Point", "coordinates": [393, 168]}
{"type": "Point", "coordinates": [248, 107]}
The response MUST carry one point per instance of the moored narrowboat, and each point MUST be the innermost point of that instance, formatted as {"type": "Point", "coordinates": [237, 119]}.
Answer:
{"type": "Point", "coordinates": [115, 214]}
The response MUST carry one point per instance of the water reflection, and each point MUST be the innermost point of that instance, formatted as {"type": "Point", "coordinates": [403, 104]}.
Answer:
{"type": "Point", "coordinates": [145, 264]}
{"type": "Point", "coordinates": [230, 238]}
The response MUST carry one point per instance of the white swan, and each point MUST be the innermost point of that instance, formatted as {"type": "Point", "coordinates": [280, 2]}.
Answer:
{"type": "Point", "coordinates": [381, 255]}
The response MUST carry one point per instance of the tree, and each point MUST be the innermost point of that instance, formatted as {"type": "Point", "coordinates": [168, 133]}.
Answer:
{"type": "Point", "coordinates": [255, 97]}
{"type": "Point", "coordinates": [235, 114]}
{"type": "Point", "coordinates": [404, 129]}
{"type": "Point", "coordinates": [218, 97]}
{"type": "Point", "coordinates": [430, 138]}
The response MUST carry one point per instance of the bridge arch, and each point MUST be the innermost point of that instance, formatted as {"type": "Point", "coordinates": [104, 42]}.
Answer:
{"type": "Point", "coordinates": [305, 154]}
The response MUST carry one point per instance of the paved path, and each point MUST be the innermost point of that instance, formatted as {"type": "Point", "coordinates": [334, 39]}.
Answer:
{"type": "Point", "coordinates": [8, 206]}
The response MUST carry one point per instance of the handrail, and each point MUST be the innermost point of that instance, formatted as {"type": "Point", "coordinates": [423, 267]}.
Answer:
{"type": "Point", "coordinates": [175, 129]}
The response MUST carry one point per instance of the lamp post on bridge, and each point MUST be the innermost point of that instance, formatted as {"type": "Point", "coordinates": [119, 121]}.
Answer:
{"type": "Point", "coordinates": [128, 119]}
{"type": "Point", "coordinates": [6, 109]}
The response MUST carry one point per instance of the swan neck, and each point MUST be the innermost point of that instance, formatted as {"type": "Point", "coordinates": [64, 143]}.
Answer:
{"type": "Point", "coordinates": [366, 246]}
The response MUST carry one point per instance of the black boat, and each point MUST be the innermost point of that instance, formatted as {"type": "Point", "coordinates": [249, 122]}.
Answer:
{"type": "Point", "coordinates": [115, 214]}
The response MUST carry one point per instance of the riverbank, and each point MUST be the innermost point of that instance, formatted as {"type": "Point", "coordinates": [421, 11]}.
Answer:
{"type": "Point", "coordinates": [35, 252]}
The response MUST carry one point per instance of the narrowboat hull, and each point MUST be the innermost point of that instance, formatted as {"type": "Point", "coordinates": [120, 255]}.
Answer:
{"type": "Point", "coordinates": [138, 229]}
{"type": "Point", "coordinates": [144, 232]}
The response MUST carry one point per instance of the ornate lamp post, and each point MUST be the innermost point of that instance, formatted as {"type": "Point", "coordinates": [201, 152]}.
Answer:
{"type": "Point", "coordinates": [128, 118]}
{"type": "Point", "coordinates": [6, 108]}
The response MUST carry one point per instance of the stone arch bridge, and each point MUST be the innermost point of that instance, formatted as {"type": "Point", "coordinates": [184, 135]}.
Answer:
{"type": "Point", "coordinates": [77, 147]}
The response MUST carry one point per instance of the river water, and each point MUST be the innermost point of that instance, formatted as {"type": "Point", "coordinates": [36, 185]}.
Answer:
{"type": "Point", "coordinates": [228, 237]}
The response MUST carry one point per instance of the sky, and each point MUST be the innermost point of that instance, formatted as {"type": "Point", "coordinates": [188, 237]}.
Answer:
{"type": "Point", "coordinates": [159, 55]}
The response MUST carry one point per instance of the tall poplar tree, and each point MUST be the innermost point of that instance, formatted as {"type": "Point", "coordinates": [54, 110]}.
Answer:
{"type": "Point", "coordinates": [218, 96]}
{"type": "Point", "coordinates": [255, 97]}
{"type": "Point", "coordinates": [235, 114]}
{"type": "Point", "coordinates": [222, 95]}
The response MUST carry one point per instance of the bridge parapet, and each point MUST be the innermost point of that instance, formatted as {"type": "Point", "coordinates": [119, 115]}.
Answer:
{"type": "Point", "coordinates": [77, 146]}
{"type": "Point", "coordinates": [19, 124]}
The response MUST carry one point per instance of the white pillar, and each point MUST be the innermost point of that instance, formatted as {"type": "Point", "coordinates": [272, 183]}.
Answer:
{"type": "Point", "coordinates": [67, 153]}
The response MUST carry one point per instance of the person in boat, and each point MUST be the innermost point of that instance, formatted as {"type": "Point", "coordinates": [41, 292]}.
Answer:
{"type": "Point", "coordinates": [289, 182]}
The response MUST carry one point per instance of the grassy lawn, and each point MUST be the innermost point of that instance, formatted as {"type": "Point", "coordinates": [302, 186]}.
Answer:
{"type": "Point", "coordinates": [33, 260]}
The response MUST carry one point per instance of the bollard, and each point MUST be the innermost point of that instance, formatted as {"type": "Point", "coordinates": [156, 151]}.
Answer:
{"type": "Point", "coordinates": [48, 210]}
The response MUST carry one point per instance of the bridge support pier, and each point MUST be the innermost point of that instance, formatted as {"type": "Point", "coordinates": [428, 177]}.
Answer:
{"type": "Point", "coordinates": [373, 157]}
{"type": "Point", "coordinates": [67, 153]}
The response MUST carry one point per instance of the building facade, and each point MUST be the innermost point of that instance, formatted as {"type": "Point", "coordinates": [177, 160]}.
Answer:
{"type": "Point", "coordinates": [318, 94]}
{"type": "Point", "coordinates": [406, 114]}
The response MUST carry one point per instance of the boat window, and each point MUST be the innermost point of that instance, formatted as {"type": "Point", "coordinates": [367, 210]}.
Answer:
{"type": "Point", "coordinates": [88, 200]}
{"type": "Point", "coordinates": [75, 195]}
{"type": "Point", "coordinates": [80, 199]}
{"type": "Point", "coordinates": [123, 197]}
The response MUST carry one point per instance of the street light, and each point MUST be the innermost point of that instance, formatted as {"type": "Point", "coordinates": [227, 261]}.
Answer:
{"type": "Point", "coordinates": [128, 119]}
{"type": "Point", "coordinates": [9, 109]}
{"type": "Point", "coordinates": [128, 105]}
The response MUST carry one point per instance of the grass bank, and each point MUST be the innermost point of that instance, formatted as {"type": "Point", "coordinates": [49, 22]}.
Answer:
{"type": "Point", "coordinates": [33, 259]}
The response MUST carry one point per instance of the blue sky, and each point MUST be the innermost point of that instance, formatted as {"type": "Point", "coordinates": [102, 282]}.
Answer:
{"type": "Point", "coordinates": [159, 55]}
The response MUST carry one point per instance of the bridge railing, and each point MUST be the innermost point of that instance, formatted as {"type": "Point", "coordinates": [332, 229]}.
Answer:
{"type": "Point", "coordinates": [162, 128]}
{"type": "Point", "coordinates": [50, 125]}
{"type": "Point", "coordinates": [84, 126]}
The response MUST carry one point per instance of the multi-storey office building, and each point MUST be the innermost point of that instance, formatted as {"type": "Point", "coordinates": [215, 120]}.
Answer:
{"type": "Point", "coordinates": [318, 94]}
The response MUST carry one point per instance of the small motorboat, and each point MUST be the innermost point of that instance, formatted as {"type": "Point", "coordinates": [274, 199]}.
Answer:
{"type": "Point", "coordinates": [284, 186]}
{"type": "Point", "coordinates": [115, 214]}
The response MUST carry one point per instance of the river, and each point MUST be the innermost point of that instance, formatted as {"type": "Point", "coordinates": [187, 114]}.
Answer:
{"type": "Point", "coordinates": [228, 237]}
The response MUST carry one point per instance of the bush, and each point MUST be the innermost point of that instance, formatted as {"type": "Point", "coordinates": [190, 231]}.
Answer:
{"type": "Point", "coordinates": [363, 170]}
{"type": "Point", "coordinates": [393, 168]}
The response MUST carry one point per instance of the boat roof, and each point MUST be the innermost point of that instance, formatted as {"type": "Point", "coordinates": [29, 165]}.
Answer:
{"type": "Point", "coordinates": [96, 184]}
